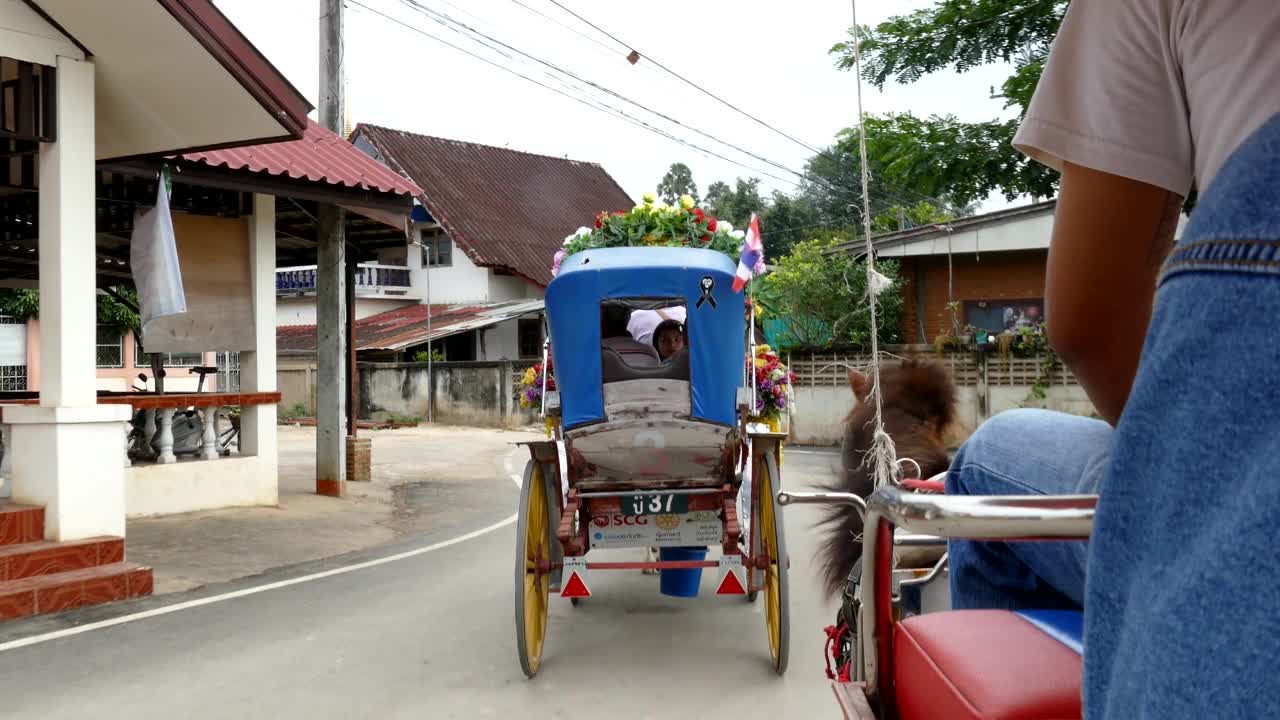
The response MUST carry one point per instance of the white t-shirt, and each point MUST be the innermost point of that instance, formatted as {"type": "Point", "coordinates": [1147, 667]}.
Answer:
{"type": "Point", "coordinates": [1160, 91]}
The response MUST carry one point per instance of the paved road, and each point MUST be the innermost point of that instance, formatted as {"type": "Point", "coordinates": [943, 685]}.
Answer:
{"type": "Point", "coordinates": [431, 636]}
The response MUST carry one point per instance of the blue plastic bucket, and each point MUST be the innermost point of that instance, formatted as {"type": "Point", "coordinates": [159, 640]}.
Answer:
{"type": "Point", "coordinates": [681, 583]}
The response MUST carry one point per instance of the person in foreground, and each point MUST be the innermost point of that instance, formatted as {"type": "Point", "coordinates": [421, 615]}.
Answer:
{"type": "Point", "coordinates": [1141, 100]}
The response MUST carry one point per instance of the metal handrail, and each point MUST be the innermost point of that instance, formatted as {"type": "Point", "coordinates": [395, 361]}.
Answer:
{"type": "Point", "coordinates": [990, 517]}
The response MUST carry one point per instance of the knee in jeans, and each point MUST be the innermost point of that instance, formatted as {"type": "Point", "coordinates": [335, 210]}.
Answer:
{"type": "Point", "coordinates": [1000, 430]}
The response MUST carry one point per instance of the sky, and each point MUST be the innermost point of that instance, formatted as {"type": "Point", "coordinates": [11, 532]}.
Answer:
{"type": "Point", "coordinates": [764, 57]}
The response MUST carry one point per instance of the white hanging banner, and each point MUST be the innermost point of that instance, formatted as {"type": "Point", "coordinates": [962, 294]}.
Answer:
{"type": "Point", "coordinates": [153, 253]}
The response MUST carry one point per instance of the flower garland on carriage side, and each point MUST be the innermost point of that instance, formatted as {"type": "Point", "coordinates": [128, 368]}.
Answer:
{"type": "Point", "coordinates": [530, 391]}
{"type": "Point", "coordinates": [656, 224]}
{"type": "Point", "coordinates": [772, 382]}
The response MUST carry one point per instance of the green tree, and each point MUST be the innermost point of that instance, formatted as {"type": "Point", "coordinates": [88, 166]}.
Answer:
{"type": "Point", "coordinates": [785, 221]}
{"type": "Point", "coordinates": [908, 216]}
{"type": "Point", "coordinates": [735, 204]}
{"type": "Point", "coordinates": [25, 304]}
{"type": "Point", "coordinates": [678, 181]}
{"type": "Point", "coordinates": [943, 156]}
{"type": "Point", "coordinates": [822, 299]}
{"type": "Point", "coordinates": [19, 304]}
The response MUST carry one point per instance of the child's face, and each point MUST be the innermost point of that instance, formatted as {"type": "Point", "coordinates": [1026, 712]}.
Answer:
{"type": "Point", "coordinates": [670, 341]}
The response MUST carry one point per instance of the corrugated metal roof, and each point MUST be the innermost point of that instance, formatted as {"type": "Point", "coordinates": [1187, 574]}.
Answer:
{"type": "Point", "coordinates": [320, 156]}
{"type": "Point", "coordinates": [407, 326]}
{"type": "Point", "coordinates": [505, 208]}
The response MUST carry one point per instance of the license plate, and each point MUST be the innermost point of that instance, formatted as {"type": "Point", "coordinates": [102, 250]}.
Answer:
{"type": "Point", "coordinates": [664, 504]}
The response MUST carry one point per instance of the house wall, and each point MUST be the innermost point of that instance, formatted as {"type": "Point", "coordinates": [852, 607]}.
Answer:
{"type": "Point", "coordinates": [302, 310]}
{"type": "Point", "coordinates": [1010, 275]}
{"type": "Point", "coordinates": [461, 282]}
{"type": "Point", "coordinates": [125, 378]}
{"type": "Point", "coordinates": [200, 485]}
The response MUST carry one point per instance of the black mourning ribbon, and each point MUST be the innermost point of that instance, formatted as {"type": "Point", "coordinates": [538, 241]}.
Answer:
{"type": "Point", "coordinates": [708, 284]}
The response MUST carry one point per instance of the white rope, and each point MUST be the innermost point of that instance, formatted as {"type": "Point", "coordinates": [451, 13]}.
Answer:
{"type": "Point", "coordinates": [883, 455]}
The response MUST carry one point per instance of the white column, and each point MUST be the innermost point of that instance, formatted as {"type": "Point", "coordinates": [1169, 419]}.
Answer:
{"type": "Point", "coordinates": [258, 368]}
{"type": "Point", "coordinates": [209, 439]}
{"type": "Point", "coordinates": [165, 441]}
{"type": "Point", "coordinates": [66, 451]}
{"type": "Point", "coordinates": [68, 261]}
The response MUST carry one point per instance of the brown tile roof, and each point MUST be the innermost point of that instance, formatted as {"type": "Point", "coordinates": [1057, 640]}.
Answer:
{"type": "Point", "coordinates": [505, 208]}
{"type": "Point", "coordinates": [407, 326]}
{"type": "Point", "coordinates": [320, 156]}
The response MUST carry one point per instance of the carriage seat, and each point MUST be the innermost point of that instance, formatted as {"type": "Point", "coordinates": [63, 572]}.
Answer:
{"type": "Point", "coordinates": [634, 352]}
{"type": "Point", "coordinates": [989, 665]}
{"type": "Point", "coordinates": [618, 367]}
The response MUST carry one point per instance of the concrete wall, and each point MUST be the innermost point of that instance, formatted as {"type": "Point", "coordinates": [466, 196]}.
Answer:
{"type": "Point", "coordinates": [193, 485]}
{"type": "Point", "coordinates": [985, 386]}
{"type": "Point", "coordinates": [463, 393]}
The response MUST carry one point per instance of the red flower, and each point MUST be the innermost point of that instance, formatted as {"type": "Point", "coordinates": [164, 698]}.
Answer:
{"type": "Point", "coordinates": [706, 238]}
{"type": "Point", "coordinates": [711, 225]}
{"type": "Point", "coordinates": [618, 213]}
{"type": "Point", "coordinates": [697, 212]}
{"type": "Point", "coordinates": [600, 219]}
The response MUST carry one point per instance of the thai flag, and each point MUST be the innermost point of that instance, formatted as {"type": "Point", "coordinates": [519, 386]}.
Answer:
{"type": "Point", "coordinates": [752, 255]}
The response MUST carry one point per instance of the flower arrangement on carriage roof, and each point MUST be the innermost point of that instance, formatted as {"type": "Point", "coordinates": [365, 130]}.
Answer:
{"type": "Point", "coordinates": [656, 224]}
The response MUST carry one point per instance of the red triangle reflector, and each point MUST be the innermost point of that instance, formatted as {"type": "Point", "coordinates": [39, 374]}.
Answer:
{"type": "Point", "coordinates": [730, 585]}
{"type": "Point", "coordinates": [575, 588]}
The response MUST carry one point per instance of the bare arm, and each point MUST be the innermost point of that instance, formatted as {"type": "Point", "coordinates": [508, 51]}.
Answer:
{"type": "Point", "coordinates": [1110, 236]}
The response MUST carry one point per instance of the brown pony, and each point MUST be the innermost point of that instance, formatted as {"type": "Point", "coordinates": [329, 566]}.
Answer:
{"type": "Point", "coordinates": [918, 401]}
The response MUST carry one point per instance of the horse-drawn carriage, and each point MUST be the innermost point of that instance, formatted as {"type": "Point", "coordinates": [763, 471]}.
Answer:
{"type": "Point", "coordinates": [649, 452]}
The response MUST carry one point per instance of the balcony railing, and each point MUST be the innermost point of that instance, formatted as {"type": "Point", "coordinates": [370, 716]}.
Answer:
{"type": "Point", "coordinates": [371, 279]}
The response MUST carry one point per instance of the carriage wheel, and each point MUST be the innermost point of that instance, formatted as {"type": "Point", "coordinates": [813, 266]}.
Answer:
{"type": "Point", "coordinates": [777, 611]}
{"type": "Point", "coordinates": [533, 543]}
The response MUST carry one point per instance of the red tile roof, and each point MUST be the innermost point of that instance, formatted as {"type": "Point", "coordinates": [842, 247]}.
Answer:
{"type": "Point", "coordinates": [320, 156]}
{"type": "Point", "coordinates": [407, 326]}
{"type": "Point", "coordinates": [505, 208]}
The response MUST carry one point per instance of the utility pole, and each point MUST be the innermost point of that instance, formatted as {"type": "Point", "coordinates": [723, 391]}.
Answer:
{"type": "Point", "coordinates": [331, 279]}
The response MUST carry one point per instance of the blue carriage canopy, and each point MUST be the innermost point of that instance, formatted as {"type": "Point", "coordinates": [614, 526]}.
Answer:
{"type": "Point", "coordinates": [700, 279]}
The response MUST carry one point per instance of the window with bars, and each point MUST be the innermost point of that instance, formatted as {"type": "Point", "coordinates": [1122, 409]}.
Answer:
{"type": "Point", "coordinates": [437, 249]}
{"type": "Point", "coordinates": [229, 372]}
{"type": "Point", "coordinates": [110, 351]}
{"type": "Point", "coordinates": [13, 354]}
{"type": "Point", "coordinates": [174, 360]}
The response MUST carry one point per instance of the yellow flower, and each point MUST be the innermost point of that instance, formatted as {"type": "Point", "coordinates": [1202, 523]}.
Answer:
{"type": "Point", "coordinates": [649, 198]}
{"type": "Point", "coordinates": [530, 376]}
{"type": "Point", "coordinates": [761, 349]}
{"type": "Point", "coordinates": [524, 402]}
{"type": "Point", "coordinates": [649, 239]}
{"type": "Point", "coordinates": [759, 362]}
{"type": "Point", "coordinates": [686, 202]}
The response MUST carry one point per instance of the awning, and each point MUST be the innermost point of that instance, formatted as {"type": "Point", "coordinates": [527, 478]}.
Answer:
{"type": "Point", "coordinates": [170, 75]}
{"type": "Point", "coordinates": [407, 326]}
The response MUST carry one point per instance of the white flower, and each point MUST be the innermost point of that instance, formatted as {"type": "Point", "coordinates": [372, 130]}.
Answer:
{"type": "Point", "coordinates": [569, 240]}
{"type": "Point", "coordinates": [724, 226]}
{"type": "Point", "coordinates": [737, 235]}
{"type": "Point", "coordinates": [582, 231]}
{"type": "Point", "coordinates": [777, 375]}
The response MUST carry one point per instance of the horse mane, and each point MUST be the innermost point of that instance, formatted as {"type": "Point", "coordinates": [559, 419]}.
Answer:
{"type": "Point", "coordinates": [918, 401]}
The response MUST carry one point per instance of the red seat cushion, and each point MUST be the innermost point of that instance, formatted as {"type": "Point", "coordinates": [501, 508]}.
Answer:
{"type": "Point", "coordinates": [984, 665]}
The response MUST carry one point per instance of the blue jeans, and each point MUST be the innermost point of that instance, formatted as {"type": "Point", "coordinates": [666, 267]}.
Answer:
{"type": "Point", "coordinates": [1026, 452]}
{"type": "Point", "coordinates": [1182, 615]}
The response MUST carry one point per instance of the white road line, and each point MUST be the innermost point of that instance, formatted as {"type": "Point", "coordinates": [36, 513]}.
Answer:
{"type": "Point", "coordinates": [178, 607]}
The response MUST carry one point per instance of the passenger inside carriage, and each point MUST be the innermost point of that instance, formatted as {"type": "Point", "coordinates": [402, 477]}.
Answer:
{"type": "Point", "coordinates": [614, 336]}
{"type": "Point", "coordinates": [1141, 101]}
